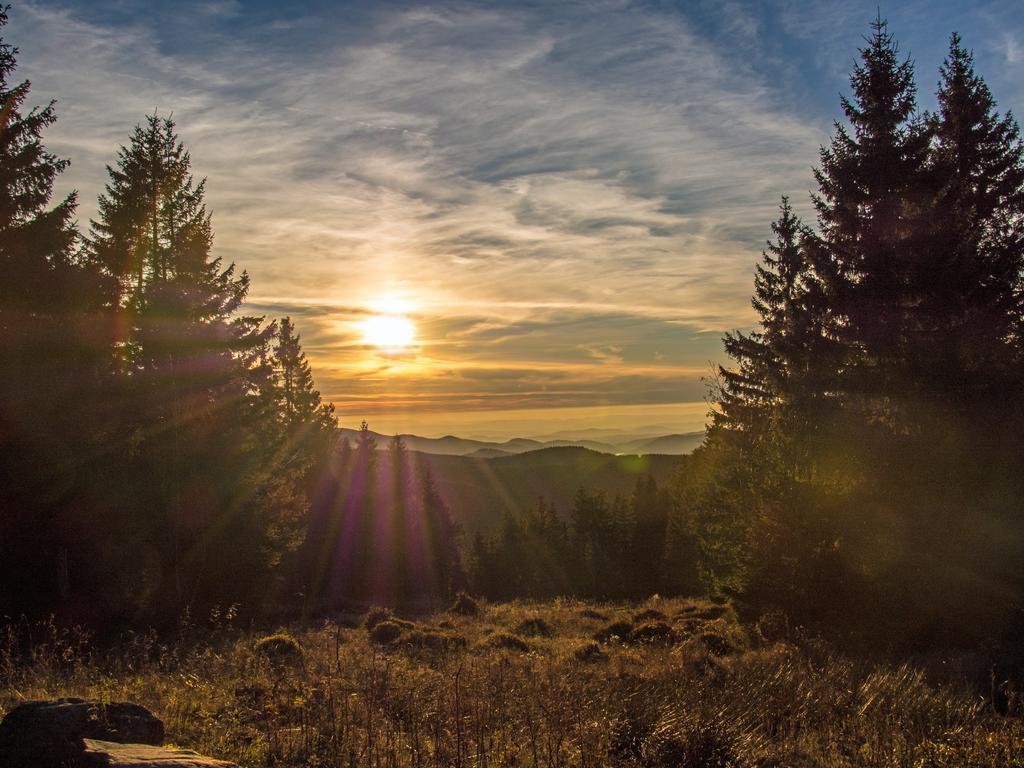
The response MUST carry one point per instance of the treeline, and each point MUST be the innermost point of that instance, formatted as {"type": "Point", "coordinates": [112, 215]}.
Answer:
{"type": "Point", "coordinates": [864, 471]}
{"type": "Point", "coordinates": [158, 445]}
{"type": "Point", "coordinates": [609, 549]}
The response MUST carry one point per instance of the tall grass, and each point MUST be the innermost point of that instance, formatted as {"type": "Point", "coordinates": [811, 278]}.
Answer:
{"type": "Point", "coordinates": [455, 690]}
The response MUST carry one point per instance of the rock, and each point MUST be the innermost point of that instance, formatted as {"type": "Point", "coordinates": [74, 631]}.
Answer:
{"type": "Point", "coordinates": [75, 733]}
{"type": "Point", "coordinates": [53, 734]}
{"type": "Point", "coordinates": [112, 755]}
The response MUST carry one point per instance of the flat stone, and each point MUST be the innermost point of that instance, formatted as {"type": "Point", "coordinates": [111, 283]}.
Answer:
{"type": "Point", "coordinates": [114, 755]}
{"type": "Point", "coordinates": [73, 719]}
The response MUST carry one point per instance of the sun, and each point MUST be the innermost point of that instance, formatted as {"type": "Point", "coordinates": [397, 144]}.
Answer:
{"type": "Point", "coordinates": [389, 333]}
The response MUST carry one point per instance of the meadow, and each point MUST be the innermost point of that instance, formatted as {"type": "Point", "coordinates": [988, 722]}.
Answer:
{"type": "Point", "coordinates": [670, 682]}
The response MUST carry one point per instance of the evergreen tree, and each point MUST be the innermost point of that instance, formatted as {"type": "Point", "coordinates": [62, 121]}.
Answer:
{"type": "Point", "coordinates": [681, 555]}
{"type": "Point", "coordinates": [297, 432]}
{"type": "Point", "coordinates": [55, 361]}
{"type": "Point", "coordinates": [397, 532]}
{"type": "Point", "coordinates": [871, 255]}
{"type": "Point", "coordinates": [651, 509]}
{"type": "Point", "coordinates": [873, 409]}
{"type": "Point", "coordinates": [351, 552]}
{"type": "Point", "coordinates": [301, 403]}
{"type": "Point", "coordinates": [770, 396]}
{"type": "Point", "coordinates": [977, 305]}
{"type": "Point", "coordinates": [590, 523]}
{"type": "Point", "coordinates": [440, 562]}
{"type": "Point", "coordinates": [194, 365]}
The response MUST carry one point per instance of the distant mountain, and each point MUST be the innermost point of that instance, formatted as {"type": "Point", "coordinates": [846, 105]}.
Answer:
{"type": "Point", "coordinates": [674, 445]}
{"type": "Point", "coordinates": [590, 445]}
{"type": "Point", "coordinates": [600, 441]}
{"type": "Point", "coordinates": [487, 453]}
{"type": "Point", "coordinates": [449, 445]}
{"type": "Point", "coordinates": [479, 490]}
{"type": "Point", "coordinates": [614, 436]}
{"type": "Point", "coordinates": [518, 445]}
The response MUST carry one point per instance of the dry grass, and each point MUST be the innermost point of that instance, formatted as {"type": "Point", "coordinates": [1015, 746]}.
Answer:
{"type": "Point", "coordinates": [523, 685]}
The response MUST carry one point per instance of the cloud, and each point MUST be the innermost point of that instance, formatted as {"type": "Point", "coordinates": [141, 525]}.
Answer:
{"type": "Point", "coordinates": [579, 184]}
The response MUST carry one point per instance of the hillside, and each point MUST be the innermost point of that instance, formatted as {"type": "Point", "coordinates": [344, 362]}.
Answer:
{"type": "Point", "coordinates": [479, 490]}
{"type": "Point", "coordinates": [666, 444]}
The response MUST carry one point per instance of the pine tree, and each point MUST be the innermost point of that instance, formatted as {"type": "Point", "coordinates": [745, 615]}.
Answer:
{"type": "Point", "coordinates": [589, 522]}
{"type": "Point", "coordinates": [977, 306]}
{"type": "Point", "coordinates": [54, 358]}
{"type": "Point", "coordinates": [681, 555]}
{"type": "Point", "coordinates": [151, 213]}
{"type": "Point", "coordinates": [353, 555]}
{"type": "Point", "coordinates": [877, 407]}
{"type": "Point", "coordinates": [770, 391]}
{"type": "Point", "coordinates": [296, 431]}
{"type": "Point", "coordinates": [301, 401]}
{"type": "Point", "coordinates": [831, 376]}
{"type": "Point", "coordinates": [651, 509]}
{"type": "Point", "coordinates": [195, 365]}
{"type": "Point", "coordinates": [871, 255]}
{"type": "Point", "coordinates": [396, 531]}
{"type": "Point", "coordinates": [444, 575]}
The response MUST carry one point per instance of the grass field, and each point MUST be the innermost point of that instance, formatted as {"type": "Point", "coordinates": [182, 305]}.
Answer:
{"type": "Point", "coordinates": [666, 683]}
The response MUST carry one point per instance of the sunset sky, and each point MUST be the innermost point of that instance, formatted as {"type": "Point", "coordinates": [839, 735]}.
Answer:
{"type": "Point", "coordinates": [561, 203]}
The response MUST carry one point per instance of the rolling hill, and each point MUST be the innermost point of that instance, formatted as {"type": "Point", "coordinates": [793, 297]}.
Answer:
{"type": "Point", "coordinates": [480, 490]}
{"type": "Point", "coordinates": [666, 444]}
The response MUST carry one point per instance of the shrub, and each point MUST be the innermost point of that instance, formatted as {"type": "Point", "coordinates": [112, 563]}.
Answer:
{"type": "Point", "coordinates": [464, 605]}
{"type": "Point", "coordinates": [535, 627]}
{"type": "Point", "coordinates": [707, 612]}
{"type": "Point", "coordinates": [590, 653]}
{"type": "Point", "coordinates": [652, 632]}
{"type": "Point", "coordinates": [700, 743]}
{"type": "Point", "coordinates": [279, 648]}
{"type": "Point", "coordinates": [507, 642]}
{"type": "Point", "coordinates": [620, 629]}
{"type": "Point", "coordinates": [650, 614]}
{"type": "Point", "coordinates": [773, 626]}
{"type": "Point", "coordinates": [717, 644]}
{"type": "Point", "coordinates": [376, 615]}
{"type": "Point", "coordinates": [386, 632]}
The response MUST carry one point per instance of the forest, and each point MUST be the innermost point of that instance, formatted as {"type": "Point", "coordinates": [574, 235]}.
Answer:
{"type": "Point", "coordinates": [163, 450]}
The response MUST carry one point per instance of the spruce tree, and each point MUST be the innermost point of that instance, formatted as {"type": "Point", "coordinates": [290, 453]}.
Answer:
{"type": "Point", "coordinates": [877, 409]}
{"type": "Point", "coordinates": [300, 400]}
{"type": "Point", "coordinates": [439, 535]}
{"type": "Point", "coordinates": [54, 357]}
{"type": "Point", "coordinates": [770, 393]}
{"type": "Point", "coordinates": [590, 523]}
{"type": "Point", "coordinates": [977, 307]}
{"type": "Point", "coordinates": [395, 531]}
{"type": "Point", "coordinates": [353, 553]}
{"type": "Point", "coordinates": [651, 509]}
{"type": "Point", "coordinates": [870, 254]}
{"type": "Point", "coordinates": [296, 432]}
{"type": "Point", "coordinates": [195, 365]}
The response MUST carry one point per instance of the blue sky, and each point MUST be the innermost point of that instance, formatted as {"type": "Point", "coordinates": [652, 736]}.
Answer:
{"type": "Point", "coordinates": [567, 198]}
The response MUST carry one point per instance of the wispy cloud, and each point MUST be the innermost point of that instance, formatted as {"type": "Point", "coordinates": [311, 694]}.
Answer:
{"type": "Point", "coordinates": [572, 194]}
